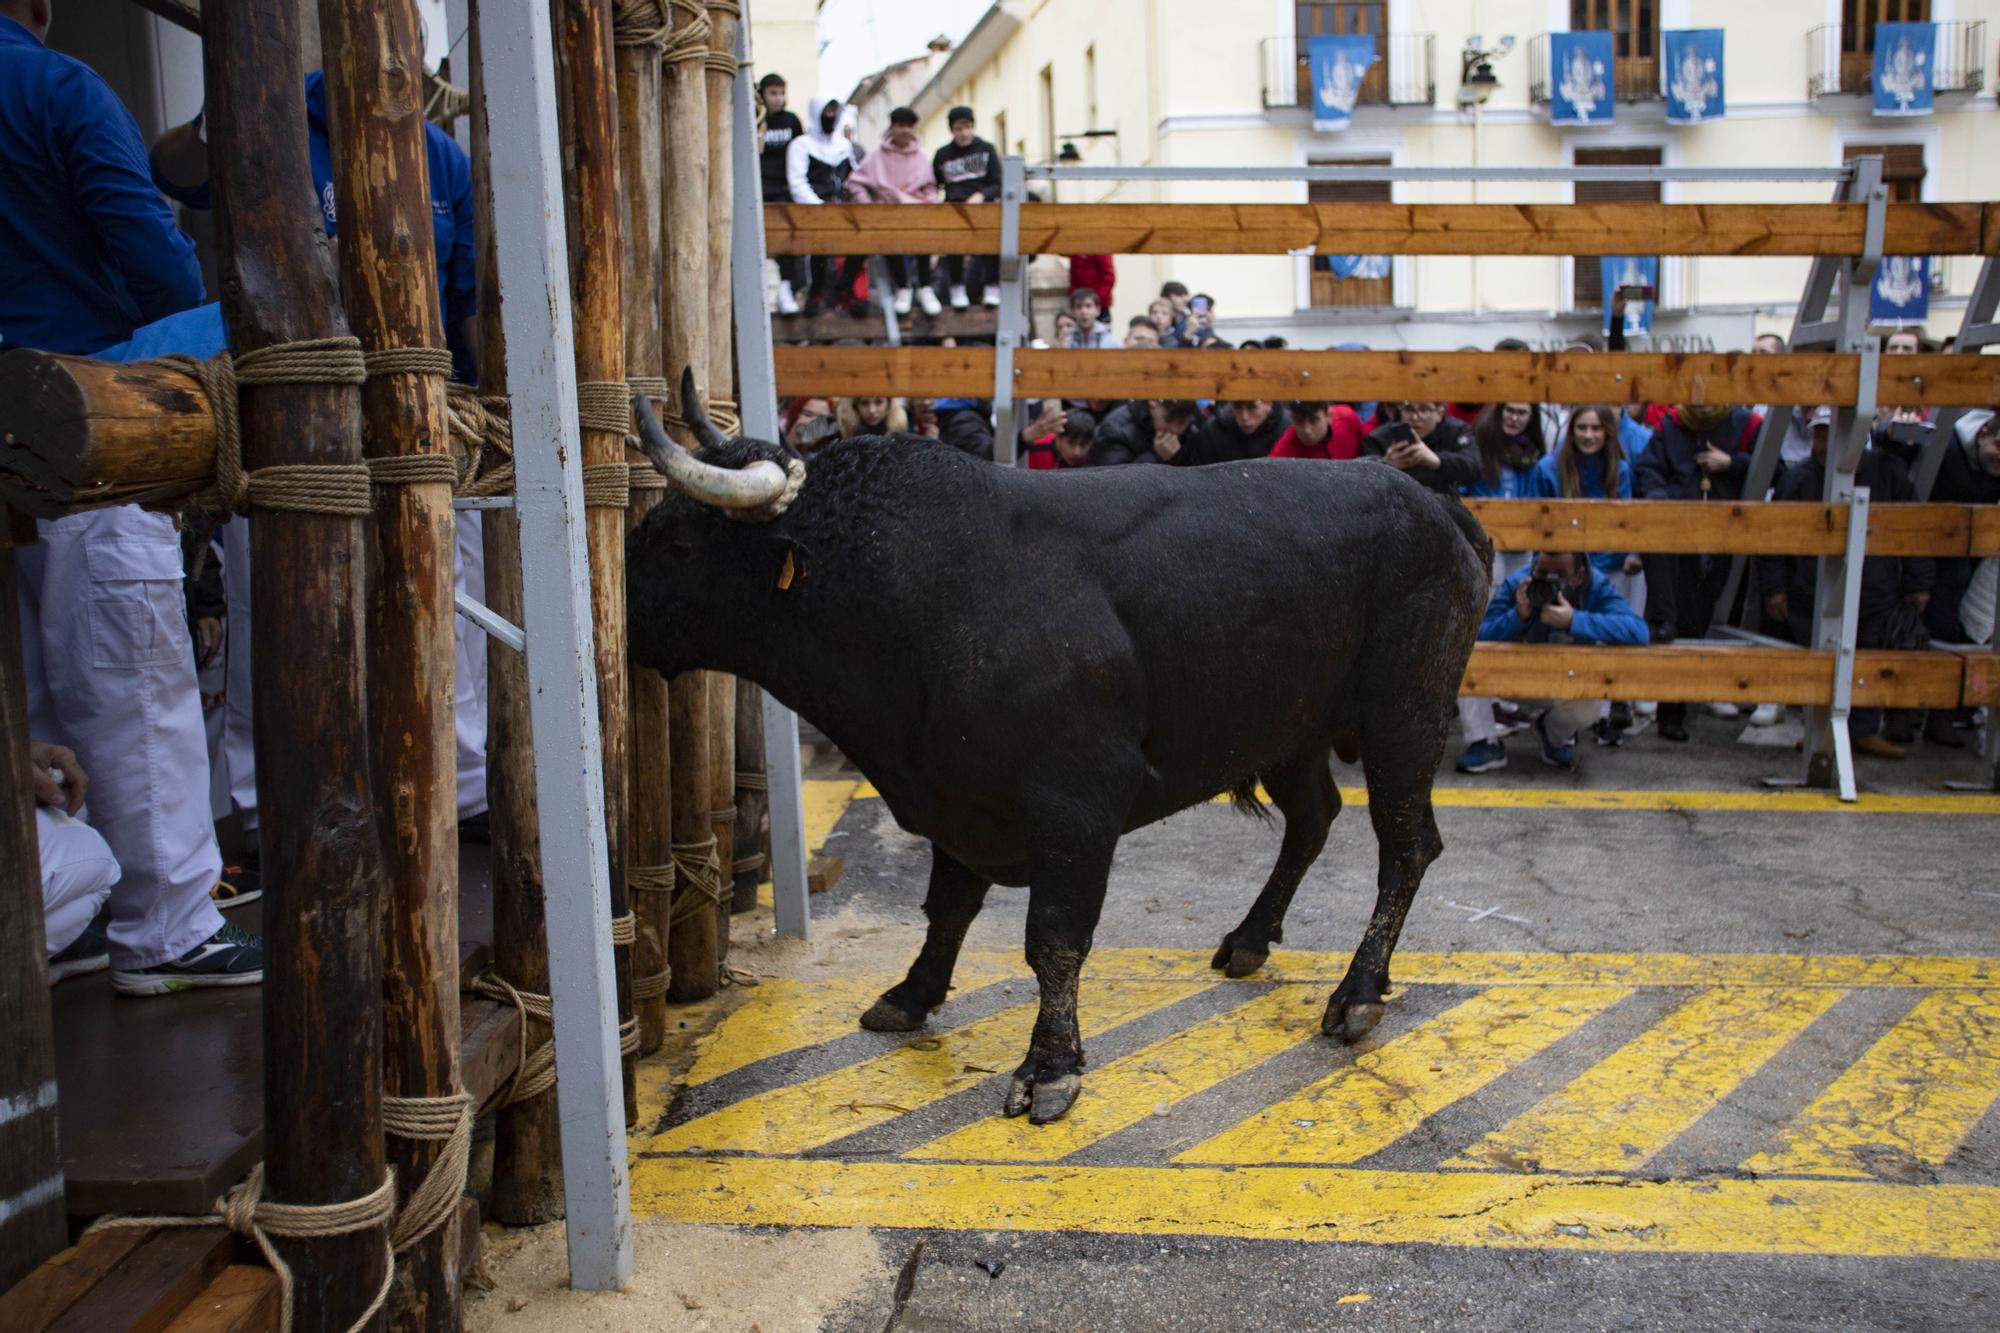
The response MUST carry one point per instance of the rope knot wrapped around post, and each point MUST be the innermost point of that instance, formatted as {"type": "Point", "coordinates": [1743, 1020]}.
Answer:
{"type": "Point", "coordinates": [638, 23]}
{"type": "Point", "coordinates": [446, 1119]}
{"type": "Point", "coordinates": [689, 39]}
{"type": "Point", "coordinates": [700, 876]}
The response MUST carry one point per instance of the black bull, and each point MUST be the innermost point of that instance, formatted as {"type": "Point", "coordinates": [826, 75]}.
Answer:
{"type": "Point", "coordinates": [1028, 666]}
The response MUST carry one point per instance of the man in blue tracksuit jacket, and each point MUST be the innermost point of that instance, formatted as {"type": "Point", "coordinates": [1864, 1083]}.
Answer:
{"type": "Point", "coordinates": [1581, 607]}
{"type": "Point", "coordinates": [88, 252]}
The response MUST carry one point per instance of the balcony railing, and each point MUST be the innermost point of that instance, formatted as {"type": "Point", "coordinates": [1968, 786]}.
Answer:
{"type": "Point", "coordinates": [1404, 73]}
{"type": "Point", "coordinates": [1635, 78]}
{"type": "Point", "coordinates": [1956, 64]}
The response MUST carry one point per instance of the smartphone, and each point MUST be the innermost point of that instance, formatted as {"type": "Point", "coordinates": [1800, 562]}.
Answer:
{"type": "Point", "coordinates": [1636, 292]}
{"type": "Point", "coordinates": [1199, 303]}
{"type": "Point", "coordinates": [1402, 432]}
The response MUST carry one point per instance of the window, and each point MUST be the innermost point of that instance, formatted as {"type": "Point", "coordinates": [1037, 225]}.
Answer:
{"type": "Point", "coordinates": [1635, 41]}
{"type": "Point", "coordinates": [1902, 168]}
{"type": "Point", "coordinates": [1858, 19]}
{"type": "Point", "coordinates": [1321, 18]}
{"type": "Point", "coordinates": [1329, 289]}
{"type": "Point", "coordinates": [1589, 284]}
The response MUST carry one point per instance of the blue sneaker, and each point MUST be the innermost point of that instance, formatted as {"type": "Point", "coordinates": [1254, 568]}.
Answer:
{"type": "Point", "coordinates": [1555, 756]}
{"type": "Point", "coordinates": [231, 956]}
{"type": "Point", "coordinates": [88, 952]}
{"type": "Point", "coordinates": [1482, 757]}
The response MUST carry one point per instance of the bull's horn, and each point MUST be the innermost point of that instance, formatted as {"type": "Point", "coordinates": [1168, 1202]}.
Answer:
{"type": "Point", "coordinates": [696, 416]}
{"type": "Point", "coordinates": [754, 487]}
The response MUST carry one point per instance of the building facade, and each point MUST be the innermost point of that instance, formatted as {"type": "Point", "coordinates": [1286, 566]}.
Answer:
{"type": "Point", "coordinates": [1190, 83]}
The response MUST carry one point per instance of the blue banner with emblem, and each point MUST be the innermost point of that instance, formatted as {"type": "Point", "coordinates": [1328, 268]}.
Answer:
{"type": "Point", "coordinates": [1581, 69]}
{"type": "Point", "coordinates": [1694, 75]}
{"type": "Point", "coordinates": [1901, 293]}
{"type": "Point", "coordinates": [1339, 64]}
{"type": "Point", "coordinates": [1631, 271]}
{"type": "Point", "coordinates": [1905, 61]}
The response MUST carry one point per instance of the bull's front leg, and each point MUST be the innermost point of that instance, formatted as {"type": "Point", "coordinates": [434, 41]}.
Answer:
{"type": "Point", "coordinates": [954, 899]}
{"type": "Point", "coordinates": [1065, 896]}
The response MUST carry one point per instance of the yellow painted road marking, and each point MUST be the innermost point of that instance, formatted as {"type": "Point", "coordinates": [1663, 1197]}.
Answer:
{"type": "Point", "coordinates": [1365, 1106]}
{"type": "Point", "coordinates": [1782, 802]}
{"type": "Point", "coordinates": [1641, 1098]}
{"type": "Point", "coordinates": [1910, 1101]}
{"type": "Point", "coordinates": [826, 800]}
{"type": "Point", "coordinates": [1125, 1091]}
{"type": "Point", "coordinates": [803, 1116]}
{"type": "Point", "coordinates": [785, 1014]}
{"type": "Point", "coordinates": [1616, 1214]}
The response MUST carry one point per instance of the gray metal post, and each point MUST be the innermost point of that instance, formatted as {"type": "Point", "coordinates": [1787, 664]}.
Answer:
{"type": "Point", "coordinates": [1842, 631]}
{"type": "Point", "coordinates": [878, 281]}
{"type": "Point", "coordinates": [759, 390]}
{"type": "Point", "coordinates": [1013, 325]}
{"type": "Point", "coordinates": [555, 601]}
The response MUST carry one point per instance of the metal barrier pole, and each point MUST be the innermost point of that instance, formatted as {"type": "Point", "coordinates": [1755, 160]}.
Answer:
{"type": "Point", "coordinates": [758, 383]}
{"type": "Point", "coordinates": [1844, 632]}
{"type": "Point", "coordinates": [878, 284]}
{"type": "Point", "coordinates": [1013, 310]}
{"type": "Point", "coordinates": [555, 597]}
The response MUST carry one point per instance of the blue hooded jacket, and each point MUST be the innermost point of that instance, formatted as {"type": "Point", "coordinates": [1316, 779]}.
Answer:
{"type": "Point", "coordinates": [1600, 616]}
{"type": "Point", "coordinates": [1545, 483]}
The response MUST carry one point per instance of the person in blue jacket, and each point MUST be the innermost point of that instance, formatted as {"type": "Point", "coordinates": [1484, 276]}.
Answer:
{"type": "Point", "coordinates": [89, 252]}
{"type": "Point", "coordinates": [1561, 598]}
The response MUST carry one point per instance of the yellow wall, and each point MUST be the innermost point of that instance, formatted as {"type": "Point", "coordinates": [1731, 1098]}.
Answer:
{"type": "Point", "coordinates": [784, 36]}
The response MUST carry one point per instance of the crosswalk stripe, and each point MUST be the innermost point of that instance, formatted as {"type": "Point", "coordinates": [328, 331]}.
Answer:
{"type": "Point", "coordinates": [1128, 1089]}
{"type": "Point", "coordinates": [928, 1067]}
{"type": "Point", "coordinates": [1642, 1097]}
{"type": "Point", "coordinates": [1385, 1093]}
{"type": "Point", "coordinates": [1909, 1102]}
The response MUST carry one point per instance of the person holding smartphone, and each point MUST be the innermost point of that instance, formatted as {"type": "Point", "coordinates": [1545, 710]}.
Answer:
{"type": "Point", "coordinates": [1431, 447]}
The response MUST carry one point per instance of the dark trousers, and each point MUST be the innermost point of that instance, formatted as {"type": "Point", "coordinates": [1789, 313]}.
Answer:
{"type": "Point", "coordinates": [1680, 604]}
{"type": "Point", "coordinates": [1872, 632]}
{"type": "Point", "coordinates": [901, 268]}
{"type": "Point", "coordinates": [975, 273]}
{"type": "Point", "coordinates": [835, 276]}
{"type": "Point", "coordinates": [1941, 616]}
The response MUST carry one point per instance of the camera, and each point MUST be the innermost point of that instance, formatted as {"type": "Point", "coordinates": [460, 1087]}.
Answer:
{"type": "Point", "coordinates": [1544, 590]}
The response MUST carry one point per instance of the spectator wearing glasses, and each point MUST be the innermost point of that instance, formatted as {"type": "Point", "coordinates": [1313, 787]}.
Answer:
{"type": "Point", "coordinates": [1432, 448]}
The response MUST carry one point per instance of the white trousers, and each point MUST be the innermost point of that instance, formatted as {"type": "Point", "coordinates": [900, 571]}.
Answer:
{"type": "Point", "coordinates": [78, 871]}
{"type": "Point", "coordinates": [110, 673]}
{"type": "Point", "coordinates": [469, 723]}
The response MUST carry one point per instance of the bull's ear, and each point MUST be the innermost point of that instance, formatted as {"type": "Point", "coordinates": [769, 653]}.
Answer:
{"type": "Point", "coordinates": [788, 563]}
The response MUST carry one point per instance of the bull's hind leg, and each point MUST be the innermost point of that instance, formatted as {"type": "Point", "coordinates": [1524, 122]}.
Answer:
{"type": "Point", "coordinates": [954, 899]}
{"type": "Point", "coordinates": [1399, 763]}
{"type": "Point", "coordinates": [1305, 793]}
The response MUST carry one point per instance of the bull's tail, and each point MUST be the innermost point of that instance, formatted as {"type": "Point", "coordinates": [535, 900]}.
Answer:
{"type": "Point", "coordinates": [1474, 534]}
{"type": "Point", "coordinates": [1246, 800]}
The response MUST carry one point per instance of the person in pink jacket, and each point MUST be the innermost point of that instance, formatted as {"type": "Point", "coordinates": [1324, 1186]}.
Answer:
{"type": "Point", "coordinates": [899, 172]}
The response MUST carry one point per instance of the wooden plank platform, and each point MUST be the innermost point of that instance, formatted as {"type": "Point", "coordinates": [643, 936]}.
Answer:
{"type": "Point", "coordinates": [193, 1280]}
{"type": "Point", "coordinates": [831, 326]}
{"type": "Point", "coordinates": [162, 1099]}
{"type": "Point", "coordinates": [1378, 229]}
{"type": "Point", "coordinates": [1720, 527]}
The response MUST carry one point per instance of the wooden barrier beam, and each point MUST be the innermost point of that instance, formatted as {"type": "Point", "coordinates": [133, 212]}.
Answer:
{"type": "Point", "coordinates": [1719, 527]}
{"type": "Point", "coordinates": [1377, 229]}
{"type": "Point", "coordinates": [1982, 679]}
{"type": "Point", "coordinates": [721, 74]}
{"type": "Point", "coordinates": [1710, 673]}
{"type": "Point", "coordinates": [76, 433]}
{"type": "Point", "coordinates": [1466, 377]}
{"type": "Point", "coordinates": [1985, 540]}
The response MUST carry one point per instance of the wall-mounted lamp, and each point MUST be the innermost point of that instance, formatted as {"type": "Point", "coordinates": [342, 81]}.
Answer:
{"type": "Point", "coordinates": [1069, 154]}
{"type": "Point", "coordinates": [1476, 79]}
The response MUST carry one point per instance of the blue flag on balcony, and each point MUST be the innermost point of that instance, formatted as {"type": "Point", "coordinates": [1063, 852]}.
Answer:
{"type": "Point", "coordinates": [1902, 291]}
{"type": "Point", "coordinates": [1630, 271]}
{"type": "Point", "coordinates": [1339, 64]}
{"type": "Point", "coordinates": [1694, 75]}
{"type": "Point", "coordinates": [1905, 60]}
{"type": "Point", "coordinates": [1581, 78]}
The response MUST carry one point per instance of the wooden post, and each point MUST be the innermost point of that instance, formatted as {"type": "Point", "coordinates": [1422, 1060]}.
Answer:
{"type": "Point", "coordinates": [375, 96]}
{"type": "Point", "coordinates": [33, 1226]}
{"type": "Point", "coordinates": [691, 944]}
{"type": "Point", "coordinates": [721, 70]}
{"type": "Point", "coordinates": [322, 860]}
{"type": "Point", "coordinates": [638, 33]}
{"type": "Point", "coordinates": [753, 805]}
{"type": "Point", "coordinates": [527, 1146]}
{"type": "Point", "coordinates": [589, 108]}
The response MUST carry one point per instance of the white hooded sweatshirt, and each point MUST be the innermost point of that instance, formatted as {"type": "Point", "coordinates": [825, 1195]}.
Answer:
{"type": "Point", "coordinates": [834, 150]}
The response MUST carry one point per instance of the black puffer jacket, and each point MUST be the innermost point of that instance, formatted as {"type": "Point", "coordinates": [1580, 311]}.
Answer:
{"type": "Point", "coordinates": [1458, 457]}
{"type": "Point", "coordinates": [1221, 440]}
{"type": "Point", "coordinates": [1126, 436]}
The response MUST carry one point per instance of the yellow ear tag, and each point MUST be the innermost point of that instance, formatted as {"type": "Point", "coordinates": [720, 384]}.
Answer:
{"type": "Point", "coordinates": [785, 573]}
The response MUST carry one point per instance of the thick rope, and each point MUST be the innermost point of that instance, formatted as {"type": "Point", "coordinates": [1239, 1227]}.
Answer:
{"type": "Point", "coordinates": [638, 23]}
{"type": "Point", "coordinates": [795, 480]}
{"type": "Point", "coordinates": [446, 102]}
{"type": "Point", "coordinates": [647, 386]}
{"type": "Point", "coordinates": [312, 488]}
{"type": "Point", "coordinates": [689, 39]}
{"type": "Point", "coordinates": [534, 1071]}
{"type": "Point", "coordinates": [644, 477]}
{"type": "Point", "coordinates": [723, 415]}
{"type": "Point", "coordinates": [725, 62]}
{"type": "Point", "coordinates": [447, 1120]}
{"type": "Point", "coordinates": [748, 781]}
{"type": "Point", "coordinates": [244, 1211]}
{"type": "Point", "coordinates": [653, 987]}
{"type": "Point", "coordinates": [331, 488]}
{"type": "Point", "coordinates": [482, 425]}
{"type": "Point", "coordinates": [604, 405]}
{"type": "Point", "coordinates": [607, 485]}
{"type": "Point", "coordinates": [649, 879]}
{"type": "Point", "coordinates": [382, 361]}
{"type": "Point", "coordinates": [413, 469]}
{"type": "Point", "coordinates": [700, 874]}
{"type": "Point", "coordinates": [624, 930]}
{"type": "Point", "coordinates": [743, 863]}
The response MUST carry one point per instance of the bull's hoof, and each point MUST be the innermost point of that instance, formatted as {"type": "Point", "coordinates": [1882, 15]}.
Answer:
{"type": "Point", "coordinates": [1237, 960]}
{"type": "Point", "coordinates": [1045, 1100]}
{"type": "Point", "coordinates": [1351, 1021]}
{"type": "Point", "coordinates": [886, 1016]}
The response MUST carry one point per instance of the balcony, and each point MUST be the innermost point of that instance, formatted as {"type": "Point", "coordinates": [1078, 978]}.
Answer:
{"type": "Point", "coordinates": [1405, 74]}
{"type": "Point", "coordinates": [1636, 79]}
{"type": "Point", "coordinates": [1833, 68]}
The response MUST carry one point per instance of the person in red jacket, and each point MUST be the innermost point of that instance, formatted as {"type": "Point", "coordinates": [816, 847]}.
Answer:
{"type": "Point", "coordinates": [1100, 274]}
{"type": "Point", "coordinates": [1321, 431]}
{"type": "Point", "coordinates": [1068, 447]}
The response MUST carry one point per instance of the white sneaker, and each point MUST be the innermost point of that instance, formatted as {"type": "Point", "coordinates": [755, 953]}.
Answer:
{"type": "Point", "coordinates": [958, 298]}
{"type": "Point", "coordinates": [1725, 710]}
{"type": "Point", "coordinates": [788, 304]}
{"type": "Point", "coordinates": [992, 296]}
{"type": "Point", "coordinates": [1645, 708]}
{"type": "Point", "coordinates": [1765, 715]}
{"type": "Point", "coordinates": [927, 298]}
{"type": "Point", "coordinates": [903, 301]}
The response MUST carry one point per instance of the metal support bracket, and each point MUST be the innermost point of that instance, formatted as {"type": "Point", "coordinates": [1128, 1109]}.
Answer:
{"type": "Point", "coordinates": [1013, 321]}
{"type": "Point", "coordinates": [880, 286]}
{"type": "Point", "coordinates": [465, 502]}
{"type": "Point", "coordinates": [496, 625]}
